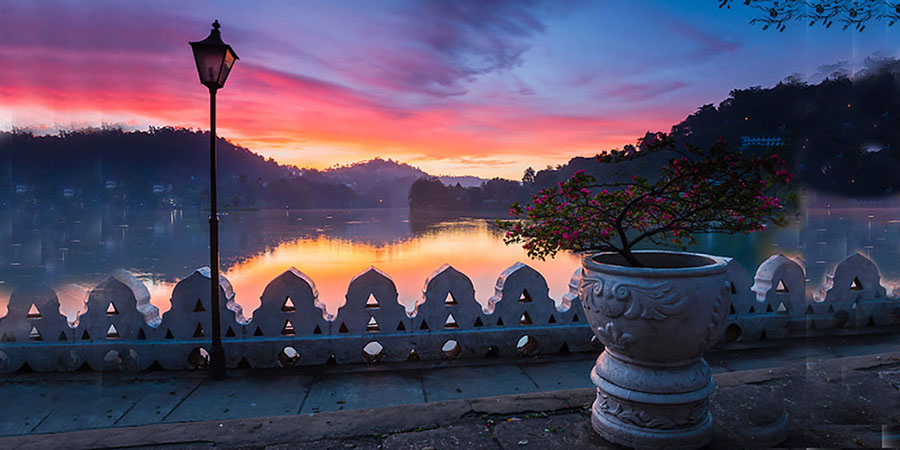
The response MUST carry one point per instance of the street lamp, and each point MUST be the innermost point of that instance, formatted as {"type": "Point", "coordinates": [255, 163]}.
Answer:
{"type": "Point", "coordinates": [214, 60]}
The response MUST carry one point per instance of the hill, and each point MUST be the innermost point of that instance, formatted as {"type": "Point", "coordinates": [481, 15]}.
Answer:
{"type": "Point", "coordinates": [384, 181]}
{"type": "Point", "coordinates": [161, 167]}
{"type": "Point", "coordinates": [169, 167]}
{"type": "Point", "coordinates": [842, 134]}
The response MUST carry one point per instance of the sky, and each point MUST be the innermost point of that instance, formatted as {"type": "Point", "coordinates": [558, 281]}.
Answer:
{"type": "Point", "coordinates": [483, 88]}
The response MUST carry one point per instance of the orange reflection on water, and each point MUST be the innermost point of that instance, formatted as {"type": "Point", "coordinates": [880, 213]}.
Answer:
{"type": "Point", "coordinates": [469, 246]}
{"type": "Point", "coordinates": [331, 263]}
{"type": "Point", "coordinates": [5, 292]}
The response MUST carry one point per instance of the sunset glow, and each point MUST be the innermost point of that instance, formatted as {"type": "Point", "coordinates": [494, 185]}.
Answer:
{"type": "Point", "coordinates": [475, 88]}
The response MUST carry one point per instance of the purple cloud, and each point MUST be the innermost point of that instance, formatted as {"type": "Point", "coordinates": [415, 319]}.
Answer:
{"type": "Point", "coordinates": [440, 46]}
{"type": "Point", "coordinates": [641, 91]}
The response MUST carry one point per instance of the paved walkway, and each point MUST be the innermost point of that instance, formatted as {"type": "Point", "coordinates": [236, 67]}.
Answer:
{"type": "Point", "coordinates": [53, 403]}
{"type": "Point", "coordinates": [834, 403]}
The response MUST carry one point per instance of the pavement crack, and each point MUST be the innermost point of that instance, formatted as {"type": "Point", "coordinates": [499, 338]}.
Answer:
{"type": "Point", "coordinates": [306, 395]}
{"type": "Point", "coordinates": [180, 402]}
{"type": "Point", "coordinates": [528, 376]}
{"type": "Point", "coordinates": [133, 404]}
{"type": "Point", "coordinates": [424, 392]}
{"type": "Point", "coordinates": [42, 420]}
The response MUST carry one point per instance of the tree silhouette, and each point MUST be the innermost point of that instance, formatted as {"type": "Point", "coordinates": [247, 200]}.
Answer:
{"type": "Point", "coordinates": [777, 14]}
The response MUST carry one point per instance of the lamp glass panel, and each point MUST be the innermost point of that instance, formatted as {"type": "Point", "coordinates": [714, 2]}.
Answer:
{"type": "Point", "coordinates": [226, 67]}
{"type": "Point", "coordinates": [209, 63]}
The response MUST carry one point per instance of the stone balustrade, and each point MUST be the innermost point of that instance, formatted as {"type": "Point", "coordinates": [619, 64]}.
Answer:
{"type": "Point", "coordinates": [121, 330]}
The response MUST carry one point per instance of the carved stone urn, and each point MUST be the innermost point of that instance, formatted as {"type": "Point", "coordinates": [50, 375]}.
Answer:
{"type": "Point", "coordinates": [655, 322]}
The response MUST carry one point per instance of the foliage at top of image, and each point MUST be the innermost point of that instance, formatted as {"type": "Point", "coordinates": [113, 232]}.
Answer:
{"type": "Point", "coordinates": [715, 190]}
{"type": "Point", "coordinates": [777, 14]}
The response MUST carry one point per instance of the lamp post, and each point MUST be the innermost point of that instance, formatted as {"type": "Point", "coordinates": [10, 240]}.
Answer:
{"type": "Point", "coordinates": [214, 60]}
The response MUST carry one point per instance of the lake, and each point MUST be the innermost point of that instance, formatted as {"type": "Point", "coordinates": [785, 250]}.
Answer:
{"type": "Point", "coordinates": [72, 250]}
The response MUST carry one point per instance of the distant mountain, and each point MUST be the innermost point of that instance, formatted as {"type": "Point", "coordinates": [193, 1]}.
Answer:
{"type": "Point", "coordinates": [164, 167]}
{"type": "Point", "coordinates": [464, 181]}
{"type": "Point", "coordinates": [385, 180]}
{"type": "Point", "coordinates": [169, 167]}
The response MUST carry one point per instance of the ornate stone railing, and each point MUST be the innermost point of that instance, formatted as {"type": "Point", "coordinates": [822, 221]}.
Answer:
{"type": "Point", "coordinates": [774, 304]}
{"type": "Point", "coordinates": [122, 330]}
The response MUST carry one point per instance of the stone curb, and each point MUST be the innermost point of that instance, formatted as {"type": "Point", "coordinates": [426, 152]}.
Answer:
{"type": "Point", "coordinates": [306, 427]}
{"type": "Point", "coordinates": [392, 419]}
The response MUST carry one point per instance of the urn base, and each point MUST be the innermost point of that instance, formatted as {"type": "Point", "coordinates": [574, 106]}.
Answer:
{"type": "Point", "coordinates": [652, 407]}
{"type": "Point", "coordinates": [637, 437]}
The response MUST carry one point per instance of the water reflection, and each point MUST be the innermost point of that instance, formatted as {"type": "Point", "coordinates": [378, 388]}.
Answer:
{"type": "Point", "coordinates": [72, 250]}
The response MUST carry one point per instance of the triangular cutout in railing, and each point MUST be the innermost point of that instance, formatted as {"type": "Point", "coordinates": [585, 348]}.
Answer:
{"type": "Point", "coordinates": [552, 319]}
{"type": "Point", "coordinates": [400, 326]}
{"type": "Point", "coordinates": [781, 308]}
{"type": "Point", "coordinates": [112, 332]}
{"type": "Point", "coordinates": [317, 330]}
{"type": "Point", "coordinates": [343, 328]}
{"type": "Point", "coordinates": [525, 319]}
{"type": "Point", "coordinates": [169, 334]}
{"type": "Point", "coordinates": [33, 312]}
{"type": "Point", "coordinates": [524, 297]}
{"type": "Point", "coordinates": [450, 322]}
{"type": "Point", "coordinates": [288, 329]}
{"type": "Point", "coordinates": [575, 318]}
{"type": "Point", "coordinates": [288, 305]}
{"type": "Point", "coordinates": [424, 325]}
{"type": "Point", "coordinates": [809, 309]}
{"type": "Point", "coordinates": [198, 307]}
{"type": "Point", "coordinates": [62, 336]}
{"type": "Point", "coordinates": [781, 288]}
{"type": "Point", "coordinates": [85, 336]}
{"type": "Point", "coordinates": [372, 326]}
{"type": "Point", "coordinates": [257, 332]}
{"type": "Point", "coordinates": [856, 285]}
{"type": "Point", "coordinates": [35, 335]}
{"type": "Point", "coordinates": [111, 310]}
{"type": "Point", "coordinates": [450, 300]}
{"type": "Point", "coordinates": [230, 333]}
{"type": "Point", "coordinates": [478, 322]}
{"type": "Point", "coordinates": [372, 302]}
{"type": "Point", "coordinates": [500, 321]}
{"type": "Point", "coordinates": [140, 335]}
{"type": "Point", "coordinates": [198, 332]}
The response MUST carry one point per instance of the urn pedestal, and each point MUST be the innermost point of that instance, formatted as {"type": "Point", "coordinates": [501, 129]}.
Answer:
{"type": "Point", "coordinates": [655, 322]}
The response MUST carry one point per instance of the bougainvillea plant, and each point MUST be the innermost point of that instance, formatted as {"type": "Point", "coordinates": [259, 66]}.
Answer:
{"type": "Point", "coordinates": [715, 190]}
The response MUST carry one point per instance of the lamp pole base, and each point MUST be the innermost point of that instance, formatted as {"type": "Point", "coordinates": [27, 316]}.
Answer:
{"type": "Point", "coordinates": [217, 363]}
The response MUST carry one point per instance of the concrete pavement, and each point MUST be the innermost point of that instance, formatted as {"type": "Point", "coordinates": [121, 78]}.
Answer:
{"type": "Point", "coordinates": [36, 404]}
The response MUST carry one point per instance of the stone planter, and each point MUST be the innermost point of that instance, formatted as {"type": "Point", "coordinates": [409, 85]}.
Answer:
{"type": "Point", "coordinates": [653, 385]}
